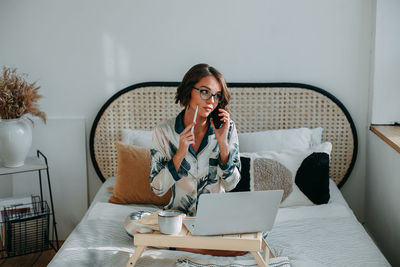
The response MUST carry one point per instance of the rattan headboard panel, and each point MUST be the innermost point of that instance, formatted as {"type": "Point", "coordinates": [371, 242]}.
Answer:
{"type": "Point", "coordinates": [254, 107]}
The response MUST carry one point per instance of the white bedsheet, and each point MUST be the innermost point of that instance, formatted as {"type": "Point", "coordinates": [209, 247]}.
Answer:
{"type": "Point", "coordinates": [324, 235]}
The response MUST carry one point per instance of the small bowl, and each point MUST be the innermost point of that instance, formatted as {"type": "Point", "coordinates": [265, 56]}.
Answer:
{"type": "Point", "coordinates": [170, 221]}
{"type": "Point", "coordinates": [131, 227]}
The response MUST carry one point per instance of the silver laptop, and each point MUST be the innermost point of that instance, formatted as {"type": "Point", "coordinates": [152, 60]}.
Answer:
{"type": "Point", "coordinates": [234, 213]}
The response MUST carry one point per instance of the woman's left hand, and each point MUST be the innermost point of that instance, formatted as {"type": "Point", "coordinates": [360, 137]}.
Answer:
{"type": "Point", "coordinates": [221, 134]}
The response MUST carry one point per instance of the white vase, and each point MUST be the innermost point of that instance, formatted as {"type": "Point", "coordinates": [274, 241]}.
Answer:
{"type": "Point", "coordinates": [15, 141]}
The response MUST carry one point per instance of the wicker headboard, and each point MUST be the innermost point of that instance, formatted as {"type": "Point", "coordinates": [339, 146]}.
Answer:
{"type": "Point", "coordinates": [254, 107]}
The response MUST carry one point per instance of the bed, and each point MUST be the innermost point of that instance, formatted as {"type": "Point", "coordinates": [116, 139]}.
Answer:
{"type": "Point", "coordinates": [303, 235]}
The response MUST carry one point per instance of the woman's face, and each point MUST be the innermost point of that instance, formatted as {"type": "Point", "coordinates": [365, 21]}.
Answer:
{"type": "Point", "coordinates": [211, 84]}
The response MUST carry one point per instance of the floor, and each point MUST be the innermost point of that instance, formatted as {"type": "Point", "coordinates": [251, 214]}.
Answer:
{"type": "Point", "coordinates": [35, 259]}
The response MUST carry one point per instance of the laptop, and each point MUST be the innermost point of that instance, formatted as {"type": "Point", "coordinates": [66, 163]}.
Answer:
{"type": "Point", "coordinates": [234, 213]}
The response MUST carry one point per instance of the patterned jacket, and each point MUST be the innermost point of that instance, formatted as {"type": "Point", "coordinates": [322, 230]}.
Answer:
{"type": "Point", "coordinates": [199, 173]}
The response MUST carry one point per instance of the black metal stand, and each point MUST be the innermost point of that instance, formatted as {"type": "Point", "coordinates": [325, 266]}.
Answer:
{"type": "Point", "coordinates": [51, 197]}
{"type": "Point", "coordinates": [34, 164]}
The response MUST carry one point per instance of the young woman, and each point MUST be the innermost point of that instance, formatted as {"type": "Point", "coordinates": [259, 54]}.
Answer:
{"type": "Point", "coordinates": [188, 153]}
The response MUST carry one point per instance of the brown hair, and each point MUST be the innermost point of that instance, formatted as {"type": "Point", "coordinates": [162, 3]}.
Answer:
{"type": "Point", "coordinates": [193, 76]}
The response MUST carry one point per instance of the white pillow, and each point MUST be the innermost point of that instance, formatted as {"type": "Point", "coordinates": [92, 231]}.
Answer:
{"type": "Point", "coordinates": [276, 140]}
{"type": "Point", "coordinates": [291, 159]}
{"type": "Point", "coordinates": [137, 137]}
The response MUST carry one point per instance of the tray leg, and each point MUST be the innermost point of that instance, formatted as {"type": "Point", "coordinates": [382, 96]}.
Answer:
{"type": "Point", "coordinates": [265, 247]}
{"type": "Point", "coordinates": [260, 261]}
{"type": "Point", "coordinates": [138, 252]}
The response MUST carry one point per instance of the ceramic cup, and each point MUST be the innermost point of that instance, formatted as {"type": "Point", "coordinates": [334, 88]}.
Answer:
{"type": "Point", "coordinates": [170, 221]}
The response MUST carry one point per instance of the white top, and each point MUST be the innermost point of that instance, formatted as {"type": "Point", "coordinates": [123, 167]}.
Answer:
{"type": "Point", "coordinates": [200, 172]}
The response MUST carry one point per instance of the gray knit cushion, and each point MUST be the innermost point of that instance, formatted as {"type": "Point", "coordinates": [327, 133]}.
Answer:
{"type": "Point", "coordinates": [271, 175]}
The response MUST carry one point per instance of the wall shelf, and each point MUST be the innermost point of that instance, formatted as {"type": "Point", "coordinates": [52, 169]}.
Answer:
{"type": "Point", "coordinates": [388, 133]}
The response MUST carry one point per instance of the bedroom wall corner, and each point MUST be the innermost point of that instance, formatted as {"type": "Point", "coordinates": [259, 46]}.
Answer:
{"type": "Point", "coordinates": [94, 182]}
{"type": "Point", "coordinates": [354, 188]}
{"type": "Point", "coordinates": [372, 64]}
{"type": "Point", "coordinates": [382, 212]}
{"type": "Point", "coordinates": [386, 78]}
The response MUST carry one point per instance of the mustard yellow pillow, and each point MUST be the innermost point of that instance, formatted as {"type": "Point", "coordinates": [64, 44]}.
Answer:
{"type": "Point", "coordinates": [132, 184]}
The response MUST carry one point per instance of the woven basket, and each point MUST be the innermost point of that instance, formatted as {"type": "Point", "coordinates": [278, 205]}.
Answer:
{"type": "Point", "coordinates": [254, 107]}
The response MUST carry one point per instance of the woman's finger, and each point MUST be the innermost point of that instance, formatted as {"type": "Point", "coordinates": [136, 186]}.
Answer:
{"type": "Point", "coordinates": [224, 115]}
{"type": "Point", "coordinates": [188, 128]}
{"type": "Point", "coordinates": [187, 135]}
{"type": "Point", "coordinates": [189, 141]}
{"type": "Point", "coordinates": [225, 118]}
{"type": "Point", "coordinates": [223, 111]}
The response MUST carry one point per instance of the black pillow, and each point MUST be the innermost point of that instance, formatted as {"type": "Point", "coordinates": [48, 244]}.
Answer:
{"type": "Point", "coordinates": [244, 183]}
{"type": "Point", "coordinates": [312, 177]}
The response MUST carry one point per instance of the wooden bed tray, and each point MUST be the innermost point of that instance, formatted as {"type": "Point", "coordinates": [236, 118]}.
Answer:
{"type": "Point", "coordinates": [252, 243]}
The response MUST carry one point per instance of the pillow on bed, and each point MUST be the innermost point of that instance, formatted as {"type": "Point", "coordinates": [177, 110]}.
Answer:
{"type": "Point", "coordinates": [249, 142]}
{"type": "Point", "coordinates": [132, 183]}
{"type": "Point", "coordinates": [277, 140]}
{"type": "Point", "coordinates": [137, 137]}
{"type": "Point", "coordinates": [303, 174]}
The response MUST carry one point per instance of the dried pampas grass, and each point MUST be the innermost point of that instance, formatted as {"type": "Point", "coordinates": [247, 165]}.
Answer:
{"type": "Point", "coordinates": [18, 97]}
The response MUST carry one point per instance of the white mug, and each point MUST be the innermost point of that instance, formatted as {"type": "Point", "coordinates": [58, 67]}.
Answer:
{"type": "Point", "coordinates": [170, 221]}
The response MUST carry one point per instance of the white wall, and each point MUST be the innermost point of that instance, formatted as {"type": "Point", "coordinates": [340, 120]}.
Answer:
{"type": "Point", "coordinates": [82, 52]}
{"type": "Point", "coordinates": [386, 74]}
{"type": "Point", "coordinates": [5, 185]}
{"type": "Point", "coordinates": [382, 213]}
{"type": "Point", "coordinates": [62, 142]}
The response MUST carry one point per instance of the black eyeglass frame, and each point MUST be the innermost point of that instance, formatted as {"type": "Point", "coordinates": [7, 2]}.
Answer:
{"type": "Point", "coordinates": [216, 97]}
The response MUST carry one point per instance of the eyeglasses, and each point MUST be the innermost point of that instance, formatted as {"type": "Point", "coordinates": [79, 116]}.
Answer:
{"type": "Point", "coordinates": [206, 94]}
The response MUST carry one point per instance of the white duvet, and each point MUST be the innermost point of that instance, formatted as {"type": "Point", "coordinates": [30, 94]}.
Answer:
{"type": "Point", "coordinates": [325, 235]}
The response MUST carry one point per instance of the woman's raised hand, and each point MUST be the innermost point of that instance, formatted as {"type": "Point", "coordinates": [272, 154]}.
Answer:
{"type": "Point", "coordinates": [221, 134]}
{"type": "Point", "coordinates": [186, 138]}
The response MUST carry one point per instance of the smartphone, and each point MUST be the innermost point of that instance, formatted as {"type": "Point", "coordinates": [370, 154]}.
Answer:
{"type": "Point", "coordinates": [216, 119]}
